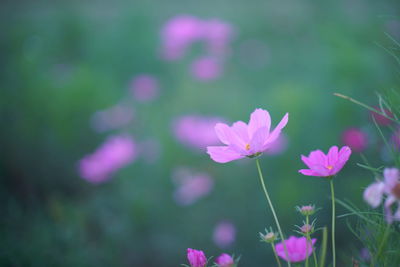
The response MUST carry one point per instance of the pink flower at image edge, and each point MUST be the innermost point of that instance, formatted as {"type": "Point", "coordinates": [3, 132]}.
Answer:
{"type": "Point", "coordinates": [224, 260]}
{"type": "Point", "coordinates": [246, 140]}
{"type": "Point", "coordinates": [298, 249]}
{"type": "Point", "coordinates": [196, 258]}
{"type": "Point", "coordinates": [323, 165]}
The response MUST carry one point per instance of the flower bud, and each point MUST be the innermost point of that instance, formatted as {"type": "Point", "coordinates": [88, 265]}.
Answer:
{"type": "Point", "coordinates": [269, 236]}
{"type": "Point", "coordinates": [306, 210]}
{"type": "Point", "coordinates": [307, 229]}
{"type": "Point", "coordinates": [225, 260]}
{"type": "Point", "coordinates": [196, 258]}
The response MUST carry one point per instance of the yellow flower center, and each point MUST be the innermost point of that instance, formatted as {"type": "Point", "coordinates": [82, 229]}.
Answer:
{"type": "Point", "coordinates": [247, 147]}
{"type": "Point", "coordinates": [329, 167]}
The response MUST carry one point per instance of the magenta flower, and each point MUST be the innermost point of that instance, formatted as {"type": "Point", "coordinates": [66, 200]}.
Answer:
{"type": "Point", "coordinates": [224, 260]}
{"type": "Point", "coordinates": [206, 68]}
{"type": "Point", "coordinates": [144, 87]}
{"type": "Point", "coordinates": [390, 186]}
{"type": "Point", "coordinates": [224, 234]}
{"type": "Point", "coordinates": [326, 165]}
{"type": "Point", "coordinates": [191, 186]}
{"type": "Point", "coordinates": [297, 247]}
{"type": "Point", "coordinates": [196, 131]}
{"type": "Point", "coordinates": [355, 139]}
{"type": "Point", "coordinates": [115, 153]}
{"type": "Point", "coordinates": [246, 140]}
{"type": "Point", "coordinates": [196, 258]}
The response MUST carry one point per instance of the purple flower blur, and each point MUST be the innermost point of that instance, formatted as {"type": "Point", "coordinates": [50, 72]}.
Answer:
{"type": "Point", "coordinates": [355, 139]}
{"type": "Point", "coordinates": [196, 131]}
{"type": "Point", "coordinates": [224, 234]}
{"type": "Point", "coordinates": [390, 186]}
{"type": "Point", "coordinates": [224, 260]}
{"type": "Point", "coordinates": [246, 140]}
{"type": "Point", "coordinates": [144, 87]}
{"type": "Point", "coordinates": [297, 247]}
{"type": "Point", "coordinates": [206, 68]}
{"type": "Point", "coordinates": [326, 165]}
{"type": "Point", "coordinates": [191, 186]}
{"type": "Point", "coordinates": [196, 258]}
{"type": "Point", "coordinates": [381, 120]}
{"type": "Point", "coordinates": [115, 153]}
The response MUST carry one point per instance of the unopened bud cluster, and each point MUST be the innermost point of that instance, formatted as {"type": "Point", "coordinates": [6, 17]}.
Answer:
{"type": "Point", "coordinates": [306, 210]}
{"type": "Point", "coordinates": [269, 236]}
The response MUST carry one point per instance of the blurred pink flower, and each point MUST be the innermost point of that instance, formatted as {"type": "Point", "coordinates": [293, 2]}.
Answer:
{"type": "Point", "coordinates": [246, 140]}
{"type": "Point", "coordinates": [390, 186]}
{"type": "Point", "coordinates": [178, 34]}
{"type": "Point", "coordinates": [191, 186]}
{"type": "Point", "coordinates": [381, 120]}
{"type": "Point", "coordinates": [206, 68]}
{"type": "Point", "coordinates": [224, 260]}
{"type": "Point", "coordinates": [297, 247]}
{"type": "Point", "coordinates": [218, 35]}
{"type": "Point", "coordinates": [326, 165]}
{"type": "Point", "coordinates": [224, 234]}
{"type": "Point", "coordinates": [355, 139]}
{"type": "Point", "coordinates": [115, 153]}
{"type": "Point", "coordinates": [279, 146]}
{"type": "Point", "coordinates": [196, 131]}
{"type": "Point", "coordinates": [196, 258]}
{"type": "Point", "coordinates": [112, 118]}
{"type": "Point", "coordinates": [144, 87]}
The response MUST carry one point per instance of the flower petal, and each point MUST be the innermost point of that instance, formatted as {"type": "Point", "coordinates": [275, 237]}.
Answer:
{"type": "Point", "coordinates": [258, 119]}
{"type": "Point", "coordinates": [388, 212]}
{"type": "Point", "coordinates": [333, 156]}
{"type": "Point", "coordinates": [223, 132]}
{"type": "Point", "coordinates": [222, 154]}
{"type": "Point", "coordinates": [318, 157]}
{"type": "Point", "coordinates": [241, 130]}
{"type": "Point", "coordinates": [373, 194]}
{"type": "Point", "coordinates": [277, 131]}
{"type": "Point", "coordinates": [391, 176]}
{"type": "Point", "coordinates": [258, 139]}
{"type": "Point", "coordinates": [308, 172]}
{"type": "Point", "coordinates": [306, 161]}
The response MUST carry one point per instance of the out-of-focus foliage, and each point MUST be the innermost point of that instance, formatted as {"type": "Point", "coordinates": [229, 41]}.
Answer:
{"type": "Point", "coordinates": [61, 62]}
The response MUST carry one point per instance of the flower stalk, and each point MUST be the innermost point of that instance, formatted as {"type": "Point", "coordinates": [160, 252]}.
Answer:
{"type": "Point", "coordinates": [272, 209]}
{"type": "Point", "coordinates": [333, 222]}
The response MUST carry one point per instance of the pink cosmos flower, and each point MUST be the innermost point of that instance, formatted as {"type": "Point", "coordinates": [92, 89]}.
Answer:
{"type": "Point", "coordinates": [115, 153]}
{"type": "Point", "coordinates": [196, 258]}
{"type": "Point", "coordinates": [326, 165]}
{"type": "Point", "coordinates": [224, 260]}
{"type": "Point", "coordinates": [390, 186]}
{"type": "Point", "coordinates": [191, 186]}
{"type": "Point", "coordinates": [144, 87]}
{"type": "Point", "coordinates": [112, 118]}
{"type": "Point", "coordinates": [196, 131]}
{"type": "Point", "coordinates": [246, 140]}
{"type": "Point", "coordinates": [297, 247]}
{"type": "Point", "coordinates": [355, 139]}
{"type": "Point", "coordinates": [178, 34]}
{"type": "Point", "coordinates": [224, 234]}
{"type": "Point", "coordinates": [206, 68]}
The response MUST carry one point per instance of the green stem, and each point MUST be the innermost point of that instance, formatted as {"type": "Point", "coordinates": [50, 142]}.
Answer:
{"type": "Point", "coordinates": [276, 255]}
{"type": "Point", "coordinates": [383, 242]}
{"type": "Point", "coordinates": [310, 242]}
{"type": "Point", "coordinates": [273, 211]}
{"type": "Point", "coordinates": [333, 222]}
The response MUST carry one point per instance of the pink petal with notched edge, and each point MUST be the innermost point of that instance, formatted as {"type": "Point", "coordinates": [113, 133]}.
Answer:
{"type": "Point", "coordinates": [373, 194]}
{"type": "Point", "coordinates": [257, 141]}
{"type": "Point", "coordinates": [318, 157]}
{"type": "Point", "coordinates": [223, 154]}
{"type": "Point", "coordinates": [333, 155]}
{"type": "Point", "coordinates": [309, 172]}
{"type": "Point", "coordinates": [277, 131]}
{"type": "Point", "coordinates": [223, 132]}
{"type": "Point", "coordinates": [258, 119]}
{"type": "Point", "coordinates": [241, 129]}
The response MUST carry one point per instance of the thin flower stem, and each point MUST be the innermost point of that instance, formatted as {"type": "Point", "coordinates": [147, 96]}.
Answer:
{"type": "Point", "coordinates": [333, 222]}
{"type": "Point", "coordinates": [276, 255]}
{"type": "Point", "coordinates": [273, 211]}
{"type": "Point", "coordinates": [383, 242]}
{"type": "Point", "coordinates": [309, 241]}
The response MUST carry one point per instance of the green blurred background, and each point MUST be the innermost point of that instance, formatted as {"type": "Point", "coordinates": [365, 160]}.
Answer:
{"type": "Point", "coordinates": [61, 61]}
